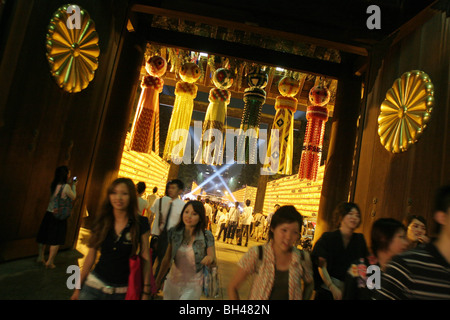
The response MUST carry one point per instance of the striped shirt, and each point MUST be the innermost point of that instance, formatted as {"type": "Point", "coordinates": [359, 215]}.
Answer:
{"type": "Point", "coordinates": [421, 274]}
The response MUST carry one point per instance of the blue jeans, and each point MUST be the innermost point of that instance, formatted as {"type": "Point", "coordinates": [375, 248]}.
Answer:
{"type": "Point", "coordinates": [89, 293]}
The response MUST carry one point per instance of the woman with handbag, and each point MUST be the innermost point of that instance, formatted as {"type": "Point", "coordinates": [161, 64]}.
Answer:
{"type": "Point", "coordinates": [52, 231]}
{"type": "Point", "coordinates": [282, 272]}
{"type": "Point", "coordinates": [191, 248]}
{"type": "Point", "coordinates": [119, 233]}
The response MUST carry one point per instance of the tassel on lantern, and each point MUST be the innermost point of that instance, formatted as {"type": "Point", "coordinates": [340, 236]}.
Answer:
{"type": "Point", "coordinates": [279, 160]}
{"type": "Point", "coordinates": [146, 120]}
{"type": "Point", "coordinates": [211, 150]}
{"type": "Point", "coordinates": [185, 92]}
{"type": "Point", "coordinates": [317, 116]}
{"type": "Point", "coordinates": [254, 98]}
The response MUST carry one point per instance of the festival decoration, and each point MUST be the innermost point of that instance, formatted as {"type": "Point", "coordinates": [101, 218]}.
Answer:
{"type": "Point", "coordinates": [185, 92]}
{"type": "Point", "coordinates": [317, 116]}
{"type": "Point", "coordinates": [211, 151]}
{"type": "Point", "coordinates": [406, 110]}
{"type": "Point", "coordinates": [254, 98]}
{"type": "Point", "coordinates": [145, 129]}
{"type": "Point", "coordinates": [72, 49]}
{"type": "Point", "coordinates": [285, 106]}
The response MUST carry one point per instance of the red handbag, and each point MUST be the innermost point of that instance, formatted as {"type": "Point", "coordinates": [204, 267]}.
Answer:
{"type": "Point", "coordinates": [135, 279]}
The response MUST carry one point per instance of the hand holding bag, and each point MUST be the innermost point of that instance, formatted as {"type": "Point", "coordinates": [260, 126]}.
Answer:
{"type": "Point", "coordinates": [210, 278]}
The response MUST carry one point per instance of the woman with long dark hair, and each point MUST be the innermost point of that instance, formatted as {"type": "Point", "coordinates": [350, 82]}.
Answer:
{"type": "Point", "coordinates": [282, 272]}
{"type": "Point", "coordinates": [416, 233]}
{"type": "Point", "coordinates": [52, 231]}
{"type": "Point", "coordinates": [119, 233]}
{"type": "Point", "coordinates": [191, 247]}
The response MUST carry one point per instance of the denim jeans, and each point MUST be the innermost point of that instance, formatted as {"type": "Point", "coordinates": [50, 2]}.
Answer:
{"type": "Point", "coordinates": [89, 293]}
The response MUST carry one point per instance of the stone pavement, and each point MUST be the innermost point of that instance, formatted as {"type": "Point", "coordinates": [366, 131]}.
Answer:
{"type": "Point", "coordinates": [24, 279]}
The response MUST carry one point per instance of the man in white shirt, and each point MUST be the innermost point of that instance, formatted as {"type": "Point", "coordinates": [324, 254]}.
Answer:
{"type": "Point", "coordinates": [246, 218]}
{"type": "Point", "coordinates": [208, 213]}
{"type": "Point", "coordinates": [169, 216]}
{"type": "Point", "coordinates": [234, 215]}
{"type": "Point", "coordinates": [142, 203]}
{"type": "Point", "coordinates": [223, 217]}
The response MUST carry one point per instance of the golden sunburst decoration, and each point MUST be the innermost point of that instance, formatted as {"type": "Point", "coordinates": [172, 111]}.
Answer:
{"type": "Point", "coordinates": [72, 52]}
{"type": "Point", "coordinates": [405, 111]}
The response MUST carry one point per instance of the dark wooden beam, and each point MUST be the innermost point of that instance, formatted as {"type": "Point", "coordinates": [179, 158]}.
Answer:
{"type": "Point", "coordinates": [241, 51]}
{"type": "Point", "coordinates": [326, 43]}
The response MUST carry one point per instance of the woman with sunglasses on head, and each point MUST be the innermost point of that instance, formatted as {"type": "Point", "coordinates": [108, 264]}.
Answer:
{"type": "Point", "coordinates": [190, 248]}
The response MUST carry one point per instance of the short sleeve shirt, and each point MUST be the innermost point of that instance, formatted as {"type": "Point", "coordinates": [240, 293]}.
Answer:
{"type": "Point", "coordinates": [113, 265]}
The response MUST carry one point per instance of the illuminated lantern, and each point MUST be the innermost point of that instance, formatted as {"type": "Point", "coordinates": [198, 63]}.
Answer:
{"type": "Point", "coordinates": [211, 150]}
{"type": "Point", "coordinates": [145, 127]}
{"type": "Point", "coordinates": [317, 116]}
{"type": "Point", "coordinates": [279, 160]}
{"type": "Point", "coordinates": [254, 98]}
{"type": "Point", "coordinates": [185, 93]}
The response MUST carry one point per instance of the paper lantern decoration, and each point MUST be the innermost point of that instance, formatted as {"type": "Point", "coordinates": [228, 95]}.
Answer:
{"type": "Point", "coordinates": [406, 111]}
{"type": "Point", "coordinates": [317, 116]}
{"type": "Point", "coordinates": [185, 93]}
{"type": "Point", "coordinates": [285, 106]}
{"type": "Point", "coordinates": [254, 98]}
{"type": "Point", "coordinates": [211, 151]}
{"type": "Point", "coordinates": [145, 129]}
{"type": "Point", "coordinates": [72, 53]}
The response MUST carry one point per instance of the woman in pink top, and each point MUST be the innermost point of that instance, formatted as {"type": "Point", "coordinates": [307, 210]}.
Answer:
{"type": "Point", "coordinates": [282, 272]}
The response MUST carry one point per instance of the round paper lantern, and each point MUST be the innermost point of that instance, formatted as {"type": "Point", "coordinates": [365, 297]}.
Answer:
{"type": "Point", "coordinates": [319, 95]}
{"type": "Point", "coordinates": [288, 86]}
{"type": "Point", "coordinates": [190, 72]}
{"type": "Point", "coordinates": [223, 78]}
{"type": "Point", "coordinates": [156, 66]}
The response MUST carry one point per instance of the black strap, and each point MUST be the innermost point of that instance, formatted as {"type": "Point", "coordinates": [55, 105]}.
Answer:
{"type": "Point", "coordinates": [168, 216]}
{"type": "Point", "coordinates": [260, 252]}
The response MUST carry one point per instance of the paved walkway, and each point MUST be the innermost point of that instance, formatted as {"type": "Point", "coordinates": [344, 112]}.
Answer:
{"type": "Point", "coordinates": [24, 279]}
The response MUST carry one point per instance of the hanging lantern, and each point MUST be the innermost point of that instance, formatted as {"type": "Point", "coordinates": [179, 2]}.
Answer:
{"type": "Point", "coordinates": [211, 151]}
{"type": "Point", "coordinates": [254, 98]}
{"type": "Point", "coordinates": [185, 93]}
{"type": "Point", "coordinates": [145, 127]}
{"type": "Point", "coordinates": [279, 160]}
{"type": "Point", "coordinates": [317, 116]}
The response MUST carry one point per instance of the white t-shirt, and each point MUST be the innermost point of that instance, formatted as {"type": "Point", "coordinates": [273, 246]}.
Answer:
{"type": "Point", "coordinates": [234, 214]}
{"type": "Point", "coordinates": [247, 216]}
{"type": "Point", "coordinates": [208, 211]}
{"type": "Point", "coordinates": [177, 207]}
{"type": "Point", "coordinates": [142, 204]}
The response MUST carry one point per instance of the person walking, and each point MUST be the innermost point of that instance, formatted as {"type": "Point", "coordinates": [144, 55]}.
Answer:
{"type": "Point", "coordinates": [259, 226]}
{"type": "Point", "coordinates": [246, 220]}
{"type": "Point", "coordinates": [223, 221]}
{"type": "Point", "coordinates": [52, 231]}
{"type": "Point", "coordinates": [142, 203]}
{"type": "Point", "coordinates": [233, 222]}
{"type": "Point", "coordinates": [190, 248]}
{"type": "Point", "coordinates": [388, 239]}
{"type": "Point", "coordinates": [281, 271]}
{"type": "Point", "coordinates": [422, 273]}
{"type": "Point", "coordinates": [167, 211]}
{"type": "Point", "coordinates": [209, 214]}
{"type": "Point", "coordinates": [335, 251]}
{"type": "Point", "coordinates": [118, 233]}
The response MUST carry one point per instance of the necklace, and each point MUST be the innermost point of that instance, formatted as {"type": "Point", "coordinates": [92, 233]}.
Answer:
{"type": "Point", "coordinates": [186, 241]}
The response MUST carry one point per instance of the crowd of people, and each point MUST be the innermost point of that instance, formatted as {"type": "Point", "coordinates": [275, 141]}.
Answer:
{"type": "Point", "coordinates": [178, 235]}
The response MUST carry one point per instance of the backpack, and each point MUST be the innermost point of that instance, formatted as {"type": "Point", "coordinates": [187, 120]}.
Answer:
{"type": "Point", "coordinates": [62, 207]}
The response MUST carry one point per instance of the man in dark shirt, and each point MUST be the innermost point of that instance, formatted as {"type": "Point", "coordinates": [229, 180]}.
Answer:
{"type": "Point", "coordinates": [422, 273]}
{"type": "Point", "coordinates": [335, 251]}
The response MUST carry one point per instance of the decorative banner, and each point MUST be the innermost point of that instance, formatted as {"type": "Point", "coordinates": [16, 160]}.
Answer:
{"type": "Point", "coordinates": [72, 52]}
{"type": "Point", "coordinates": [254, 98]}
{"type": "Point", "coordinates": [211, 151]}
{"type": "Point", "coordinates": [405, 112]}
{"type": "Point", "coordinates": [317, 116]}
{"type": "Point", "coordinates": [185, 92]}
{"type": "Point", "coordinates": [146, 120]}
{"type": "Point", "coordinates": [285, 105]}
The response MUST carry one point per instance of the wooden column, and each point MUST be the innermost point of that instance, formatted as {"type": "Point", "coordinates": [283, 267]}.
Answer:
{"type": "Point", "coordinates": [339, 165]}
{"type": "Point", "coordinates": [173, 172]}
